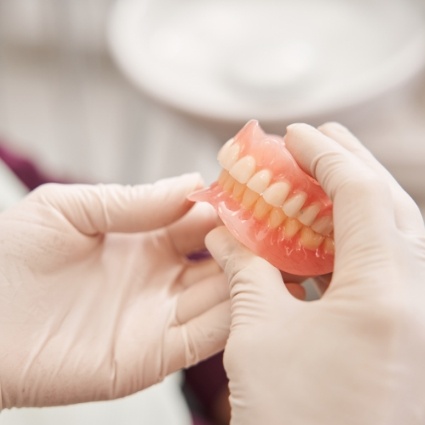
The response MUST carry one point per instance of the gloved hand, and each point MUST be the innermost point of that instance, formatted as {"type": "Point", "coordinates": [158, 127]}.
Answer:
{"type": "Point", "coordinates": [357, 355]}
{"type": "Point", "coordinates": [97, 297]}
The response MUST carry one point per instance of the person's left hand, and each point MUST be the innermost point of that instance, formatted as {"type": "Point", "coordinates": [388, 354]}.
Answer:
{"type": "Point", "coordinates": [97, 297]}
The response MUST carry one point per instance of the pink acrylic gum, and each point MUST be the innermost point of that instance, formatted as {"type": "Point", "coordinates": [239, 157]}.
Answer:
{"type": "Point", "coordinates": [271, 205]}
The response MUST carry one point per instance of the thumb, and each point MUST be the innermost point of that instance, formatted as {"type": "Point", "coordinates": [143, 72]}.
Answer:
{"type": "Point", "coordinates": [256, 287]}
{"type": "Point", "coordinates": [94, 209]}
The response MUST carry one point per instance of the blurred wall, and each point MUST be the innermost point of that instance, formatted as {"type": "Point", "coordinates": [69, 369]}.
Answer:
{"type": "Point", "coordinates": [63, 101]}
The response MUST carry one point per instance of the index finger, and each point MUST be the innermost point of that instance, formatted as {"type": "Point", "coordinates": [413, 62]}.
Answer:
{"type": "Point", "coordinates": [363, 204]}
{"type": "Point", "coordinates": [407, 214]}
{"type": "Point", "coordinates": [102, 208]}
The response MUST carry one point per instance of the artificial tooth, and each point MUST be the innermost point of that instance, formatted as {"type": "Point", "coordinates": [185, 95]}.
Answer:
{"type": "Point", "coordinates": [308, 215]}
{"type": "Point", "coordinates": [291, 227]}
{"type": "Point", "coordinates": [228, 154]}
{"type": "Point", "coordinates": [260, 181]}
{"type": "Point", "coordinates": [243, 169]}
{"type": "Point", "coordinates": [228, 184]}
{"type": "Point", "coordinates": [276, 193]}
{"type": "Point", "coordinates": [261, 209]}
{"type": "Point", "coordinates": [329, 246]}
{"type": "Point", "coordinates": [276, 217]}
{"type": "Point", "coordinates": [249, 198]}
{"type": "Point", "coordinates": [224, 175]}
{"type": "Point", "coordinates": [310, 239]}
{"type": "Point", "coordinates": [224, 151]}
{"type": "Point", "coordinates": [293, 205]}
{"type": "Point", "coordinates": [323, 225]}
{"type": "Point", "coordinates": [238, 190]}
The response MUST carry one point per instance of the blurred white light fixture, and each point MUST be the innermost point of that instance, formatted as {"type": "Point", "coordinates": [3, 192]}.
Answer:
{"type": "Point", "coordinates": [273, 60]}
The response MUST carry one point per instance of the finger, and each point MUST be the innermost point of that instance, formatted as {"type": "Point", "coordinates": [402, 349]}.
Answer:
{"type": "Point", "coordinates": [247, 273]}
{"type": "Point", "coordinates": [114, 208]}
{"type": "Point", "coordinates": [359, 194]}
{"type": "Point", "coordinates": [188, 233]}
{"type": "Point", "coordinates": [198, 271]}
{"type": "Point", "coordinates": [407, 213]}
{"type": "Point", "coordinates": [197, 339]}
{"type": "Point", "coordinates": [202, 296]}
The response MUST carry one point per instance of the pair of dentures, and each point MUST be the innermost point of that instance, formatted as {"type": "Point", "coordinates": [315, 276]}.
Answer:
{"type": "Point", "coordinates": [271, 205]}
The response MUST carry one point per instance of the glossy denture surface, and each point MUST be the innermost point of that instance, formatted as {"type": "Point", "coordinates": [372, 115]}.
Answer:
{"type": "Point", "coordinates": [271, 205]}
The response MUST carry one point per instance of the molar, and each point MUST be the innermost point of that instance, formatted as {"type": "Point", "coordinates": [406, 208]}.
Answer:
{"type": "Point", "coordinates": [293, 205]}
{"type": "Point", "coordinates": [329, 246]}
{"type": "Point", "coordinates": [228, 154]}
{"type": "Point", "coordinates": [308, 215]}
{"type": "Point", "coordinates": [323, 225]}
{"type": "Point", "coordinates": [276, 194]}
{"type": "Point", "coordinates": [243, 169]}
{"type": "Point", "coordinates": [260, 181]}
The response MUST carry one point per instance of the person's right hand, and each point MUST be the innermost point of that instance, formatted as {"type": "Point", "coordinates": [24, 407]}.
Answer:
{"type": "Point", "coordinates": [357, 355]}
{"type": "Point", "coordinates": [99, 293]}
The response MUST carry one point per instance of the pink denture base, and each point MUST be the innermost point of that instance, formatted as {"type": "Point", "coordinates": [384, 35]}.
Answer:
{"type": "Point", "coordinates": [300, 243]}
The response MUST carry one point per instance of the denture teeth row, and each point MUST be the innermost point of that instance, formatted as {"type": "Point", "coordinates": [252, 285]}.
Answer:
{"type": "Point", "coordinates": [253, 190]}
{"type": "Point", "coordinates": [276, 194]}
{"type": "Point", "coordinates": [312, 233]}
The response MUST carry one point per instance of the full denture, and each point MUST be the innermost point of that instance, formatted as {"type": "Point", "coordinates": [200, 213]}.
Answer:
{"type": "Point", "coordinates": [271, 205]}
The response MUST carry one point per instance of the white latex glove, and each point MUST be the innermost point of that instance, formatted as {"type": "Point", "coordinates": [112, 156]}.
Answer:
{"type": "Point", "coordinates": [357, 355]}
{"type": "Point", "coordinates": [97, 298]}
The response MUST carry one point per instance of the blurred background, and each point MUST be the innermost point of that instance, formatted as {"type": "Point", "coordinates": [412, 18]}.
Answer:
{"type": "Point", "coordinates": [130, 91]}
{"type": "Point", "coordinates": [66, 99]}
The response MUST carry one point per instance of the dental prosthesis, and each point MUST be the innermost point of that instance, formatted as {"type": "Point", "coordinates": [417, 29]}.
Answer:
{"type": "Point", "coordinates": [271, 205]}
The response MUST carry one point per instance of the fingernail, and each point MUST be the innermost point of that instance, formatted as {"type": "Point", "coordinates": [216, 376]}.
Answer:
{"type": "Point", "coordinates": [299, 126]}
{"type": "Point", "coordinates": [334, 126]}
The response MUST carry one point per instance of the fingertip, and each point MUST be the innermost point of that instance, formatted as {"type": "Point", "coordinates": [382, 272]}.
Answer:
{"type": "Point", "coordinates": [333, 126]}
{"type": "Point", "coordinates": [301, 140]}
{"type": "Point", "coordinates": [297, 127]}
{"type": "Point", "coordinates": [191, 181]}
{"type": "Point", "coordinates": [215, 235]}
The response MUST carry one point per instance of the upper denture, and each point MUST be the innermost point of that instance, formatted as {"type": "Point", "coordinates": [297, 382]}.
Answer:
{"type": "Point", "coordinates": [246, 180]}
{"type": "Point", "coordinates": [292, 215]}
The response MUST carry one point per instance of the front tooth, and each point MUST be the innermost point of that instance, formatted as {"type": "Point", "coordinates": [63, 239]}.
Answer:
{"type": "Point", "coordinates": [260, 181]}
{"type": "Point", "coordinates": [323, 225]}
{"type": "Point", "coordinates": [292, 206]}
{"type": "Point", "coordinates": [276, 194]}
{"type": "Point", "coordinates": [307, 215]}
{"type": "Point", "coordinates": [244, 169]}
{"type": "Point", "coordinates": [228, 154]}
{"type": "Point", "coordinates": [309, 239]}
{"type": "Point", "coordinates": [223, 152]}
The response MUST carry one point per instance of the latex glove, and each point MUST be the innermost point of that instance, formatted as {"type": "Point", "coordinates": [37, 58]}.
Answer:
{"type": "Point", "coordinates": [97, 298]}
{"type": "Point", "coordinates": [357, 355]}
